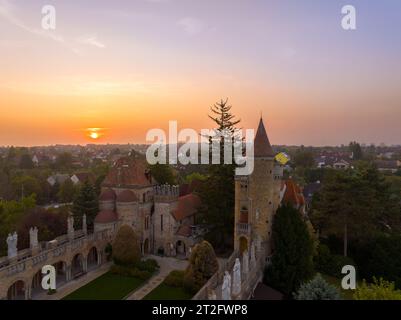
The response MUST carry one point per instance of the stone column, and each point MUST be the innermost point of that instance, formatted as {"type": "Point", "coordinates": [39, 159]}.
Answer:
{"type": "Point", "coordinates": [85, 264]}
{"type": "Point", "coordinates": [28, 293]}
{"type": "Point", "coordinates": [68, 273]}
{"type": "Point", "coordinates": [99, 258]}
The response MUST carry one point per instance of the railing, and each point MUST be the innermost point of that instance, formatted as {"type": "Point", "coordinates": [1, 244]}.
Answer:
{"type": "Point", "coordinates": [244, 228]}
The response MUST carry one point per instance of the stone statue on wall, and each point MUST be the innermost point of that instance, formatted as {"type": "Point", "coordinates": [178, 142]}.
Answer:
{"type": "Point", "coordinates": [237, 278]}
{"type": "Point", "coordinates": [33, 237]}
{"type": "Point", "coordinates": [12, 241]}
{"type": "Point", "coordinates": [226, 287]}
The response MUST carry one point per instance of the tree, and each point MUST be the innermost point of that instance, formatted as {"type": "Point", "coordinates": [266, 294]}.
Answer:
{"type": "Point", "coordinates": [163, 173]}
{"type": "Point", "coordinates": [50, 223]}
{"type": "Point", "coordinates": [217, 193]}
{"type": "Point", "coordinates": [11, 212]}
{"type": "Point", "coordinates": [378, 290]}
{"type": "Point", "coordinates": [202, 265]}
{"type": "Point", "coordinates": [125, 247]}
{"type": "Point", "coordinates": [304, 158]}
{"type": "Point", "coordinates": [64, 160]}
{"type": "Point", "coordinates": [25, 186]}
{"type": "Point", "coordinates": [26, 162]}
{"type": "Point", "coordinates": [317, 289]}
{"type": "Point", "coordinates": [356, 150]}
{"type": "Point", "coordinates": [293, 249]}
{"type": "Point", "coordinates": [85, 202]}
{"type": "Point", "coordinates": [67, 192]}
{"type": "Point", "coordinates": [355, 205]}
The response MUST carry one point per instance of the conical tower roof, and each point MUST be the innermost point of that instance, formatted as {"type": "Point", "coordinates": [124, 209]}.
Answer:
{"type": "Point", "coordinates": [263, 148]}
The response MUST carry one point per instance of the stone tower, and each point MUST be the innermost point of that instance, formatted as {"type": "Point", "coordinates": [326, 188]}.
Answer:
{"type": "Point", "coordinates": [257, 198]}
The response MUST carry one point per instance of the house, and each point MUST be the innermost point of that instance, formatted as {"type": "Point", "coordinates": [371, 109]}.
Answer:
{"type": "Point", "coordinates": [57, 178]}
{"type": "Point", "coordinates": [390, 166]}
{"type": "Point", "coordinates": [82, 177]}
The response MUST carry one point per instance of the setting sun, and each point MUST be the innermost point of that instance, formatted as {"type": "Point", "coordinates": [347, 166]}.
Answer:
{"type": "Point", "coordinates": [94, 135]}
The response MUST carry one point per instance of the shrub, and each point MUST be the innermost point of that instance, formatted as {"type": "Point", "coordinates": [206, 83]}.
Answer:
{"type": "Point", "coordinates": [126, 251]}
{"type": "Point", "coordinates": [149, 265]}
{"type": "Point", "coordinates": [175, 278]}
{"type": "Point", "coordinates": [202, 265]}
{"type": "Point", "coordinates": [378, 290]}
{"type": "Point", "coordinates": [331, 264]}
{"type": "Point", "coordinates": [130, 272]}
{"type": "Point", "coordinates": [317, 289]}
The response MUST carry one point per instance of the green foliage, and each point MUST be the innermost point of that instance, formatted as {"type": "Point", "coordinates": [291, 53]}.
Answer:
{"type": "Point", "coordinates": [218, 191]}
{"type": "Point", "coordinates": [130, 272]}
{"type": "Point", "coordinates": [380, 257]}
{"type": "Point", "coordinates": [64, 161]}
{"type": "Point", "coordinates": [304, 158]}
{"type": "Point", "coordinates": [202, 265]}
{"type": "Point", "coordinates": [175, 278]}
{"type": "Point", "coordinates": [293, 249]}
{"type": "Point", "coordinates": [378, 290]}
{"type": "Point", "coordinates": [163, 173]}
{"type": "Point", "coordinates": [149, 265]}
{"type": "Point", "coordinates": [26, 162]}
{"type": "Point", "coordinates": [356, 205]}
{"type": "Point", "coordinates": [11, 213]}
{"type": "Point", "coordinates": [317, 289]}
{"type": "Point", "coordinates": [195, 176]}
{"type": "Point", "coordinates": [330, 264]}
{"type": "Point", "coordinates": [126, 250]}
{"type": "Point", "coordinates": [85, 202]}
{"type": "Point", "coordinates": [67, 192]}
{"type": "Point", "coordinates": [356, 150]}
{"type": "Point", "coordinates": [25, 185]}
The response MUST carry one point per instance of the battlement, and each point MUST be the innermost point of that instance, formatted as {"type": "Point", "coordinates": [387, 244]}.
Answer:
{"type": "Point", "coordinates": [166, 192]}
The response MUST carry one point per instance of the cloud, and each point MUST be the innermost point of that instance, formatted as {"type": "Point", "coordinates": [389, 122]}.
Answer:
{"type": "Point", "coordinates": [8, 12]}
{"type": "Point", "coordinates": [191, 26]}
{"type": "Point", "coordinates": [92, 41]}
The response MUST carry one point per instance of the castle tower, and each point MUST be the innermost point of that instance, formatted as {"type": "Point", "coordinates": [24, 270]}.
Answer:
{"type": "Point", "coordinates": [257, 199]}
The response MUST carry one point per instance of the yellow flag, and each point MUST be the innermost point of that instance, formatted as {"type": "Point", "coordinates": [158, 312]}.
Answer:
{"type": "Point", "coordinates": [282, 158]}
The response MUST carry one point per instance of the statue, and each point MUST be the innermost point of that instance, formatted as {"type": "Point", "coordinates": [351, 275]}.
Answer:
{"type": "Point", "coordinates": [237, 277]}
{"type": "Point", "coordinates": [226, 287]}
{"type": "Point", "coordinates": [245, 264]}
{"type": "Point", "coordinates": [12, 241]}
{"type": "Point", "coordinates": [33, 237]}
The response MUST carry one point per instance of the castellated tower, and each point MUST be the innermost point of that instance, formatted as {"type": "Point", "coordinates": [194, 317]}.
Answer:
{"type": "Point", "coordinates": [166, 199]}
{"type": "Point", "coordinates": [257, 198]}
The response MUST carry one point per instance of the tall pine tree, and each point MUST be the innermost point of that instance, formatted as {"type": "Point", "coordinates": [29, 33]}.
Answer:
{"type": "Point", "coordinates": [86, 202]}
{"type": "Point", "coordinates": [218, 191]}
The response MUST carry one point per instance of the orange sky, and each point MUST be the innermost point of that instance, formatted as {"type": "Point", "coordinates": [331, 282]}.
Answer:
{"type": "Point", "coordinates": [133, 68]}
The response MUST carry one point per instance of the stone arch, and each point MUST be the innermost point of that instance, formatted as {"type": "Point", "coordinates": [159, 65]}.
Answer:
{"type": "Point", "coordinates": [93, 258]}
{"type": "Point", "coordinates": [181, 248]}
{"type": "Point", "coordinates": [17, 290]}
{"type": "Point", "coordinates": [77, 265]}
{"type": "Point", "coordinates": [61, 272]}
{"type": "Point", "coordinates": [243, 244]}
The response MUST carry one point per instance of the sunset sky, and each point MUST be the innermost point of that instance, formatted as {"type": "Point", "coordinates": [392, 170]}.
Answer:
{"type": "Point", "coordinates": [128, 66]}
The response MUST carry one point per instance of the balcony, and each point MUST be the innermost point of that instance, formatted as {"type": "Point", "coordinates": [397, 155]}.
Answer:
{"type": "Point", "coordinates": [244, 228]}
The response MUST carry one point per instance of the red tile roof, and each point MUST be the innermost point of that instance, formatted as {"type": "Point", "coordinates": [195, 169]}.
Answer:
{"type": "Point", "coordinates": [128, 171]}
{"type": "Point", "coordinates": [107, 195]}
{"type": "Point", "coordinates": [106, 216]}
{"type": "Point", "coordinates": [293, 194]}
{"type": "Point", "coordinates": [184, 231]}
{"type": "Point", "coordinates": [187, 206]}
{"type": "Point", "coordinates": [127, 196]}
{"type": "Point", "coordinates": [262, 144]}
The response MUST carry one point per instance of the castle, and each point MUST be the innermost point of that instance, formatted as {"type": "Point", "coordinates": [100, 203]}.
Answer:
{"type": "Point", "coordinates": [163, 220]}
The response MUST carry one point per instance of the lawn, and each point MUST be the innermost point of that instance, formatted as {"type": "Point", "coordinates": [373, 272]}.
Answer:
{"type": "Point", "coordinates": [107, 287]}
{"type": "Point", "coordinates": [165, 292]}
